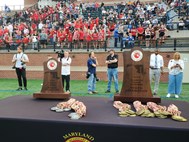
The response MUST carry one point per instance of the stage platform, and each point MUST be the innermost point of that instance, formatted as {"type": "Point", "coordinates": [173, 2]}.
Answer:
{"type": "Point", "coordinates": [24, 119]}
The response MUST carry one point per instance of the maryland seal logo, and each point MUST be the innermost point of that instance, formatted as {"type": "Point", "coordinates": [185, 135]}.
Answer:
{"type": "Point", "coordinates": [136, 55]}
{"type": "Point", "coordinates": [52, 64]}
{"type": "Point", "coordinates": [78, 137]}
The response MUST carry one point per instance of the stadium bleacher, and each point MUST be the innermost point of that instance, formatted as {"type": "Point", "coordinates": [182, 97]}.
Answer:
{"type": "Point", "coordinates": [60, 15]}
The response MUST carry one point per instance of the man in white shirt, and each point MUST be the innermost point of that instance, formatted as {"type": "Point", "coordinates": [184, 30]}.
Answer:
{"type": "Point", "coordinates": [156, 69]}
{"type": "Point", "coordinates": [20, 59]}
{"type": "Point", "coordinates": [26, 31]}
{"type": "Point", "coordinates": [66, 61]}
{"type": "Point", "coordinates": [10, 28]}
{"type": "Point", "coordinates": [40, 26]}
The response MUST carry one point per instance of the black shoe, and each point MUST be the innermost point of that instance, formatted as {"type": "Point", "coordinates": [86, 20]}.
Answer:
{"type": "Point", "coordinates": [19, 89]}
{"type": "Point", "coordinates": [155, 94]}
{"type": "Point", "coordinates": [107, 91]}
{"type": "Point", "coordinates": [25, 88]}
{"type": "Point", "coordinates": [117, 91]}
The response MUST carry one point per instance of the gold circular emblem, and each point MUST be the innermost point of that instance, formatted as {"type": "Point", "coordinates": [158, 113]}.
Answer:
{"type": "Point", "coordinates": [77, 139]}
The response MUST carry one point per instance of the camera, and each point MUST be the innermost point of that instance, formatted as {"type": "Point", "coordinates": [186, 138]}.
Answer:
{"type": "Point", "coordinates": [13, 67]}
{"type": "Point", "coordinates": [22, 63]}
{"type": "Point", "coordinates": [88, 74]}
{"type": "Point", "coordinates": [60, 54]}
{"type": "Point", "coordinates": [97, 79]}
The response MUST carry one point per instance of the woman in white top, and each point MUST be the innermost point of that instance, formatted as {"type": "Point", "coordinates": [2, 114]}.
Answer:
{"type": "Point", "coordinates": [66, 62]}
{"type": "Point", "coordinates": [176, 67]}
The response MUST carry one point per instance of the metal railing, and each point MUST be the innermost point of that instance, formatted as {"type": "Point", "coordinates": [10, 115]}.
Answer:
{"type": "Point", "coordinates": [12, 7]}
{"type": "Point", "coordinates": [56, 46]}
{"type": "Point", "coordinates": [18, 7]}
{"type": "Point", "coordinates": [172, 44]}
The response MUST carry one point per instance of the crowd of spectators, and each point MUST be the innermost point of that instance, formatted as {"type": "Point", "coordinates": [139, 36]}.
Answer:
{"type": "Point", "coordinates": [181, 7]}
{"type": "Point", "coordinates": [65, 25]}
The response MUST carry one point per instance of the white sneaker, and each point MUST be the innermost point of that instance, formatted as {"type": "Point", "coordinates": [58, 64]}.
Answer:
{"type": "Point", "coordinates": [67, 91]}
{"type": "Point", "coordinates": [168, 95]}
{"type": "Point", "coordinates": [90, 92]}
{"type": "Point", "coordinates": [177, 96]}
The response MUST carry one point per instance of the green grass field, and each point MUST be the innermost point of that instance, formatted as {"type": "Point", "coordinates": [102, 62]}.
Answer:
{"type": "Point", "coordinates": [78, 88]}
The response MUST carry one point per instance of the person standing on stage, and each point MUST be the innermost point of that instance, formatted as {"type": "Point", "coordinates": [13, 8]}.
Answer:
{"type": "Point", "coordinates": [176, 67]}
{"type": "Point", "coordinates": [66, 61]}
{"type": "Point", "coordinates": [112, 72]}
{"type": "Point", "coordinates": [92, 63]}
{"type": "Point", "coordinates": [156, 69]}
{"type": "Point", "coordinates": [20, 59]}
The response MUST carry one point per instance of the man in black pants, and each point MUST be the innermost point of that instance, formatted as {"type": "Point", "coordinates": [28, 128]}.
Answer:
{"type": "Point", "coordinates": [20, 59]}
{"type": "Point", "coordinates": [66, 61]}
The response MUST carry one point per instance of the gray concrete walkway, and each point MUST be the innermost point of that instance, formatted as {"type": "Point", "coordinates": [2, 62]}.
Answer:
{"type": "Point", "coordinates": [179, 34]}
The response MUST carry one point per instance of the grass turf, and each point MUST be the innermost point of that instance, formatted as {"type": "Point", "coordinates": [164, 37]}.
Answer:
{"type": "Point", "coordinates": [78, 88]}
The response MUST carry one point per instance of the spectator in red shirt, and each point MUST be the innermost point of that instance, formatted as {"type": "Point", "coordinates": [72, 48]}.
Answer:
{"type": "Point", "coordinates": [96, 5]}
{"type": "Point", "coordinates": [34, 26]}
{"type": "Point", "coordinates": [86, 24]}
{"type": "Point", "coordinates": [112, 26]}
{"type": "Point", "coordinates": [1, 31]}
{"type": "Point", "coordinates": [25, 40]}
{"type": "Point", "coordinates": [133, 32]}
{"type": "Point", "coordinates": [8, 41]}
{"type": "Point", "coordinates": [140, 32]}
{"type": "Point", "coordinates": [76, 38]}
{"type": "Point", "coordinates": [70, 38]}
{"type": "Point", "coordinates": [81, 37]}
{"type": "Point", "coordinates": [21, 26]}
{"type": "Point", "coordinates": [1, 41]}
{"type": "Point", "coordinates": [77, 25]}
{"type": "Point", "coordinates": [95, 38]}
{"type": "Point", "coordinates": [97, 21]}
{"type": "Point", "coordinates": [67, 26]}
{"type": "Point", "coordinates": [6, 30]}
{"type": "Point", "coordinates": [92, 24]}
{"type": "Point", "coordinates": [51, 35]}
{"type": "Point", "coordinates": [62, 38]}
{"type": "Point", "coordinates": [121, 16]}
{"type": "Point", "coordinates": [88, 37]}
{"type": "Point", "coordinates": [36, 16]}
{"type": "Point", "coordinates": [101, 37]}
{"type": "Point", "coordinates": [58, 37]}
{"type": "Point", "coordinates": [1, 35]}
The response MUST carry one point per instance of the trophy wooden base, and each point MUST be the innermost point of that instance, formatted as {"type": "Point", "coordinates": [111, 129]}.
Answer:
{"type": "Point", "coordinates": [131, 99]}
{"type": "Point", "coordinates": [51, 95]}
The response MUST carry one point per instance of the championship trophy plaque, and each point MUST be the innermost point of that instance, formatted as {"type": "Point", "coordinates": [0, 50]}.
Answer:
{"type": "Point", "coordinates": [136, 83]}
{"type": "Point", "coordinates": [52, 83]}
